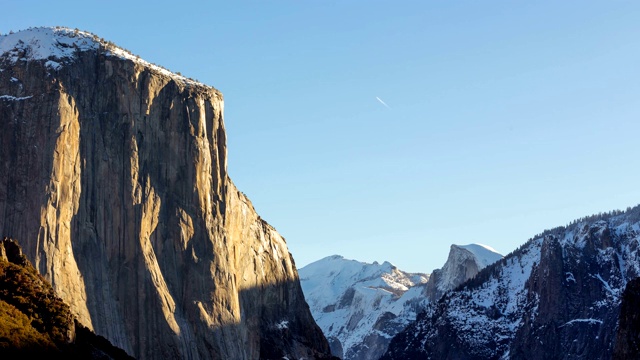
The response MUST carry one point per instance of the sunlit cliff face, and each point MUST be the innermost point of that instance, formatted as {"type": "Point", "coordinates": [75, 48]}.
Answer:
{"type": "Point", "coordinates": [116, 184]}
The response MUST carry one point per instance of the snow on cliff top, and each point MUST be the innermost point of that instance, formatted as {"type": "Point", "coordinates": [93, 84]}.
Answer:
{"type": "Point", "coordinates": [485, 255]}
{"type": "Point", "coordinates": [57, 44]}
{"type": "Point", "coordinates": [45, 43]}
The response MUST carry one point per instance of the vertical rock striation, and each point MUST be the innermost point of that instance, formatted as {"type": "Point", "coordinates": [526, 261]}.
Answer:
{"type": "Point", "coordinates": [115, 181]}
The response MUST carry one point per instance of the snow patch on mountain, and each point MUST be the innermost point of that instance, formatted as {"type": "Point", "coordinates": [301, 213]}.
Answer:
{"type": "Point", "coordinates": [43, 43]}
{"type": "Point", "coordinates": [13, 98]}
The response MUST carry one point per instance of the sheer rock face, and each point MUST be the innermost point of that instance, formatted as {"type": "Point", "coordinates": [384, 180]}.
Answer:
{"type": "Point", "coordinates": [114, 180]}
{"type": "Point", "coordinates": [463, 263]}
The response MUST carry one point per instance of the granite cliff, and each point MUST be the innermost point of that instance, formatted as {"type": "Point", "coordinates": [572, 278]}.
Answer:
{"type": "Point", "coordinates": [114, 180]}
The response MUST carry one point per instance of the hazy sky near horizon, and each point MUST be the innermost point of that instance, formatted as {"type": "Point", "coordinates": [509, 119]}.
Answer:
{"type": "Point", "coordinates": [386, 131]}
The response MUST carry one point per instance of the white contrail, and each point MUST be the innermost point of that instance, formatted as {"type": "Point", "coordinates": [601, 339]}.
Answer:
{"type": "Point", "coordinates": [382, 102]}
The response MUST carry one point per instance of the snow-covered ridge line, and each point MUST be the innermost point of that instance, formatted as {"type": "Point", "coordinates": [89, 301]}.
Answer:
{"type": "Point", "coordinates": [59, 44]}
{"type": "Point", "coordinates": [560, 290]}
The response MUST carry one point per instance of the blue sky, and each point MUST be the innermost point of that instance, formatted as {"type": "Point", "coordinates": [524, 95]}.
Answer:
{"type": "Point", "coordinates": [504, 118]}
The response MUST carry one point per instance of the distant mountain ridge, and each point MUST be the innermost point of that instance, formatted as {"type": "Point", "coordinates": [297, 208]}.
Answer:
{"type": "Point", "coordinates": [556, 297]}
{"type": "Point", "coordinates": [361, 306]}
{"type": "Point", "coordinates": [358, 305]}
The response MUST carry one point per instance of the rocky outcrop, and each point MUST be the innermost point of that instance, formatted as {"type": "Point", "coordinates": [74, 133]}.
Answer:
{"type": "Point", "coordinates": [557, 297]}
{"type": "Point", "coordinates": [463, 263]}
{"type": "Point", "coordinates": [114, 178]}
{"type": "Point", "coordinates": [11, 252]}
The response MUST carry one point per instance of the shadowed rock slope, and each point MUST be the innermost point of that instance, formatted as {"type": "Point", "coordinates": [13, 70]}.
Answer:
{"type": "Point", "coordinates": [34, 322]}
{"type": "Point", "coordinates": [628, 336]}
{"type": "Point", "coordinates": [114, 174]}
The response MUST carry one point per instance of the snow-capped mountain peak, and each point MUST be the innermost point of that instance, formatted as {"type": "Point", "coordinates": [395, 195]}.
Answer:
{"type": "Point", "coordinates": [356, 304]}
{"type": "Point", "coordinates": [328, 278]}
